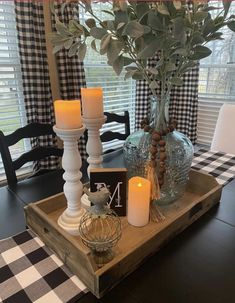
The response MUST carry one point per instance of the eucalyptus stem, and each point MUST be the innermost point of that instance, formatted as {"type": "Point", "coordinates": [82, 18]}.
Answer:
{"type": "Point", "coordinates": [97, 18]}
{"type": "Point", "coordinates": [140, 31]}
{"type": "Point", "coordinates": [140, 66]}
{"type": "Point", "coordinates": [91, 13]}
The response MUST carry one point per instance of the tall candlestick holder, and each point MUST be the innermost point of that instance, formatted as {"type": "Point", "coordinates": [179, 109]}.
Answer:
{"type": "Point", "coordinates": [73, 188]}
{"type": "Point", "coordinates": [94, 146]}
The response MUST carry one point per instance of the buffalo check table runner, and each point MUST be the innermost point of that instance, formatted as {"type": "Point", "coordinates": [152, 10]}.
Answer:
{"type": "Point", "coordinates": [30, 272]}
{"type": "Point", "coordinates": [218, 164]}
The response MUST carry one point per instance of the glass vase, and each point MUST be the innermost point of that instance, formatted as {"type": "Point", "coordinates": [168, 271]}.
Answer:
{"type": "Point", "coordinates": [178, 151]}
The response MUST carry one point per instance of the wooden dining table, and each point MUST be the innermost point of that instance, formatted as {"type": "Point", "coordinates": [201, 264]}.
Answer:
{"type": "Point", "coordinates": [198, 265]}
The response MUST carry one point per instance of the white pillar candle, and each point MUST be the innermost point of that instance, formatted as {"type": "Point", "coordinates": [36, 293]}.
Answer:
{"type": "Point", "coordinates": [138, 201]}
{"type": "Point", "coordinates": [92, 102]}
{"type": "Point", "coordinates": [68, 114]}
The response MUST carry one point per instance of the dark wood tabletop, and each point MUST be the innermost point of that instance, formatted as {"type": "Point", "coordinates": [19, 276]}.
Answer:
{"type": "Point", "coordinates": [196, 266]}
{"type": "Point", "coordinates": [11, 214]}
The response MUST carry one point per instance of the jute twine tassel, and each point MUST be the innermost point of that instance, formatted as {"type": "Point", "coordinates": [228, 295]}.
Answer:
{"type": "Point", "coordinates": [155, 213]}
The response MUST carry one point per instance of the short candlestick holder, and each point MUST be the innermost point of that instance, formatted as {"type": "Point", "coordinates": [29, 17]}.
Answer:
{"type": "Point", "coordinates": [73, 188]}
{"type": "Point", "coordinates": [94, 146]}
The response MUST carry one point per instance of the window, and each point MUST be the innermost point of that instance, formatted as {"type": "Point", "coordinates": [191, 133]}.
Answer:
{"type": "Point", "coordinates": [119, 94]}
{"type": "Point", "coordinates": [216, 83]}
{"type": "Point", "coordinates": [12, 111]}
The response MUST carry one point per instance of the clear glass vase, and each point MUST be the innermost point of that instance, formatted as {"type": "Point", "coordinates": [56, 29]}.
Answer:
{"type": "Point", "coordinates": [178, 150]}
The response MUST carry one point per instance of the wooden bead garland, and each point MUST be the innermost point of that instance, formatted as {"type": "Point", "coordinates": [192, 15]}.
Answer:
{"type": "Point", "coordinates": [158, 146]}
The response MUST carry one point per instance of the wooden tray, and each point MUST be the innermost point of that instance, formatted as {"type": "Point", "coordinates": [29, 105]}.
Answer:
{"type": "Point", "coordinates": [136, 243]}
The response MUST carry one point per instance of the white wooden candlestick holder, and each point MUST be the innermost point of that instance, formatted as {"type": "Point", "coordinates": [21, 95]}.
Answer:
{"type": "Point", "coordinates": [94, 146]}
{"type": "Point", "coordinates": [73, 188]}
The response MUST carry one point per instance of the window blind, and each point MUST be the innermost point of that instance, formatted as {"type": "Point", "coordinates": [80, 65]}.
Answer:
{"type": "Point", "coordinates": [216, 82]}
{"type": "Point", "coordinates": [12, 111]}
{"type": "Point", "coordinates": [119, 94]}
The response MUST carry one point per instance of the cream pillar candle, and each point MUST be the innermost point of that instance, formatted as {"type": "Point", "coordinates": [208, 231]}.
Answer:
{"type": "Point", "coordinates": [138, 201]}
{"type": "Point", "coordinates": [92, 102]}
{"type": "Point", "coordinates": [68, 114]}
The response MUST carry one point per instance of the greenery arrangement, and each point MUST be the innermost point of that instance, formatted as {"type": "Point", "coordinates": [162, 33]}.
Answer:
{"type": "Point", "coordinates": [174, 34]}
{"type": "Point", "coordinates": [135, 31]}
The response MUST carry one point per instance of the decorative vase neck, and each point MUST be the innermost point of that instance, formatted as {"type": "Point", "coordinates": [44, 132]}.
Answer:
{"type": "Point", "coordinates": [159, 112]}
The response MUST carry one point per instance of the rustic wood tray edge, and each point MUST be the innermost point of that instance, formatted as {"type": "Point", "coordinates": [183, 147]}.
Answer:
{"type": "Point", "coordinates": [79, 259]}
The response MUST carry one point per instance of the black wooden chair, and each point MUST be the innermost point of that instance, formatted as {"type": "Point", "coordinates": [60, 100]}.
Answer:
{"type": "Point", "coordinates": [29, 131]}
{"type": "Point", "coordinates": [112, 135]}
{"type": "Point", "coordinates": [109, 135]}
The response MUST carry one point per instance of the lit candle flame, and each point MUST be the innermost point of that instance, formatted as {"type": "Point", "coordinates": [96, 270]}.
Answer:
{"type": "Point", "coordinates": [139, 184]}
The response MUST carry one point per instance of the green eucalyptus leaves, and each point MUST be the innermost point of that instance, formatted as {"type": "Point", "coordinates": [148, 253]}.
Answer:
{"type": "Point", "coordinates": [135, 31]}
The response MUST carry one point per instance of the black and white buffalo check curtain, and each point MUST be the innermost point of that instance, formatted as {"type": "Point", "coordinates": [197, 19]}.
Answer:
{"type": "Point", "coordinates": [183, 102]}
{"type": "Point", "coordinates": [35, 70]}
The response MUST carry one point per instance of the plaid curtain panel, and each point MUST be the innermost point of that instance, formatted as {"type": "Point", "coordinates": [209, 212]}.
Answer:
{"type": "Point", "coordinates": [183, 102]}
{"type": "Point", "coordinates": [35, 72]}
{"type": "Point", "coordinates": [70, 69]}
